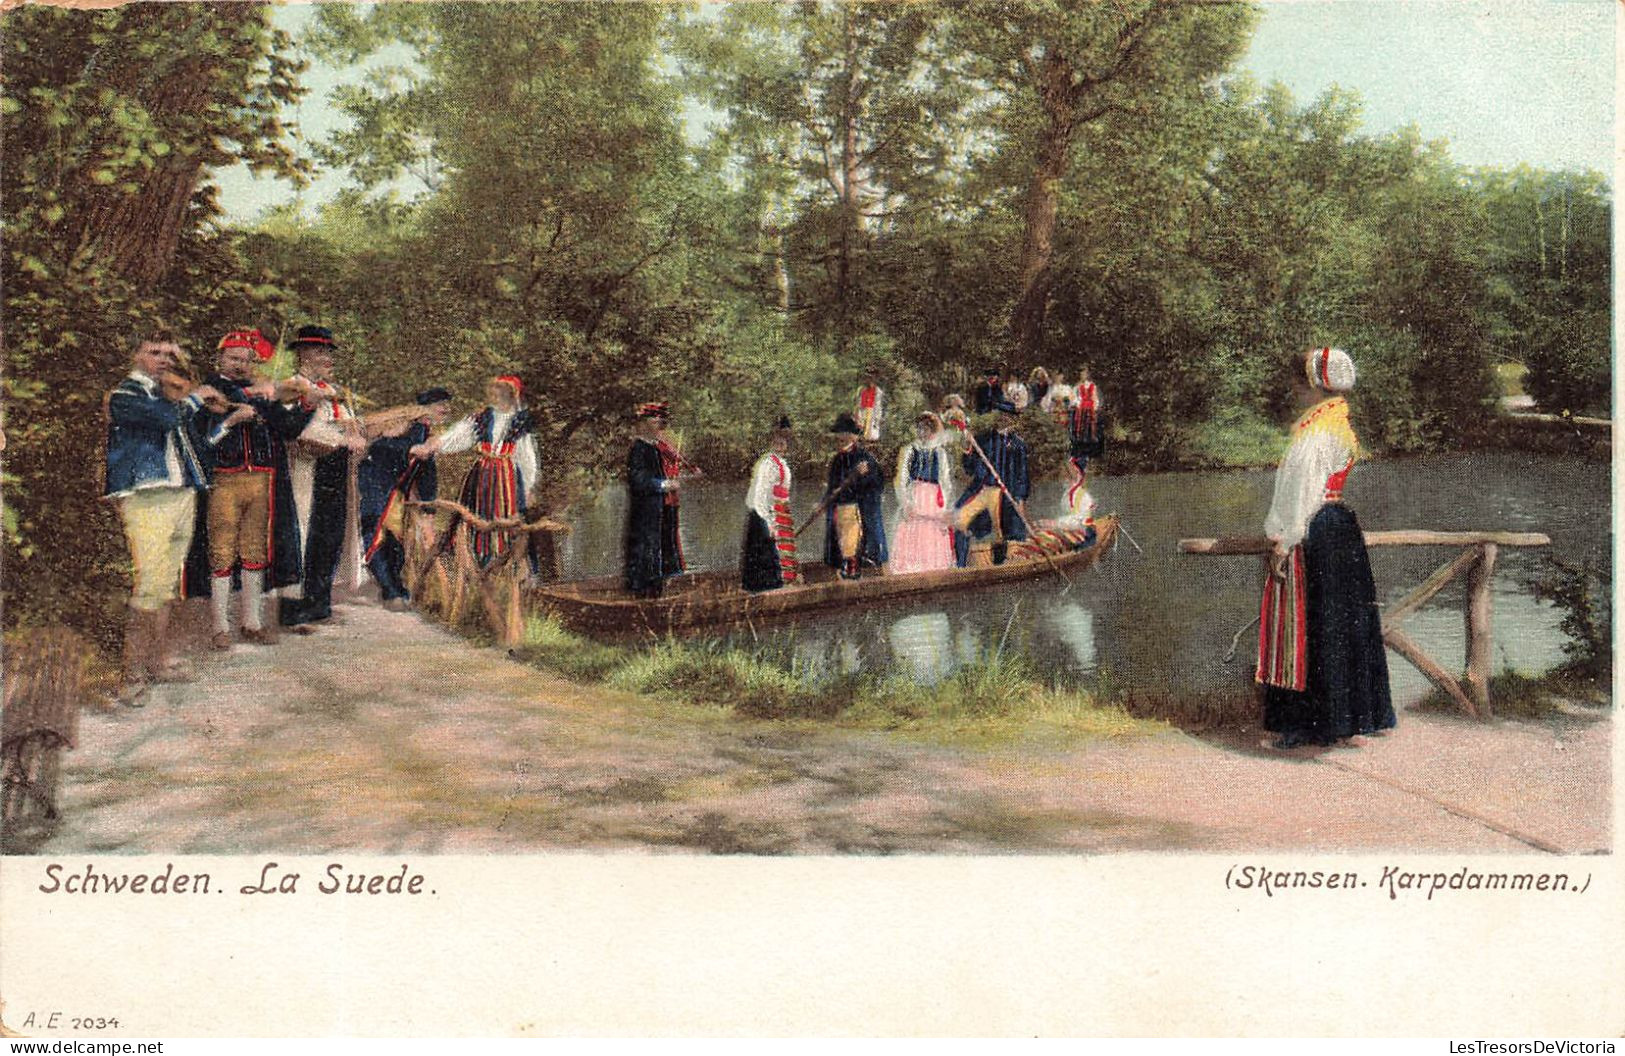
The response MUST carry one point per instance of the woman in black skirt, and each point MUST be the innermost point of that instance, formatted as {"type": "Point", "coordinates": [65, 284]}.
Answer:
{"type": "Point", "coordinates": [1320, 651]}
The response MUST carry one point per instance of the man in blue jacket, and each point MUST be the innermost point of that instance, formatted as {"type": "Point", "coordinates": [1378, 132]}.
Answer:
{"type": "Point", "coordinates": [993, 507]}
{"type": "Point", "coordinates": [154, 474]}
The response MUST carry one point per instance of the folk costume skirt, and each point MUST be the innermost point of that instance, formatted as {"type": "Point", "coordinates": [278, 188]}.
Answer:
{"type": "Point", "coordinates": [925, 539]}
{"type": "Point", "coordinates": [1321, 657]}
{"type": "Point", "coordinates": [493, 490]}
{"type": "Point", "coordinates": [759, 566]}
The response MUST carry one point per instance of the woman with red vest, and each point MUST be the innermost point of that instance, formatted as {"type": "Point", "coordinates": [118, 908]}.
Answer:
{"type": "Point", "coordinates": [498, 484]}
{"type": "Point", "coordinates": [1087, 424]}
{"type": "Point", "coordinates": [1320, 651]}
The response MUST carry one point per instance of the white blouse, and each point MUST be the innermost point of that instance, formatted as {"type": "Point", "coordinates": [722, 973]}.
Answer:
{"type": "Point", "coordinates": [462, 437]}
{"type": "Point", "coordinates": [938, 447]}
{"type": "Point", "coordinates": [1300, 483]}
{"type": "Point", "coordinates": [771, 471]}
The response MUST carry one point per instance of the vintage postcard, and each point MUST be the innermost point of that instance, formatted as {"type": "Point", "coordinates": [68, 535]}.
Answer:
{"type": "Point", "coordinates": [954, 517]}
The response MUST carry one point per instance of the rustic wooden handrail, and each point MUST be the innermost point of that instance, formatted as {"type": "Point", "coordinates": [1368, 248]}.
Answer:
{"type": "Point", "coordinates": [1472, 690]}
{"type": "Point", "coordinates": [1230, 545]}
{"type": "Point", "coordinates": [480, 524]}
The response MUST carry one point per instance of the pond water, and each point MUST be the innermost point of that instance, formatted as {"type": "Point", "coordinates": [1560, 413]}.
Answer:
{"type": "Point", "coordinates": [1156, 618]}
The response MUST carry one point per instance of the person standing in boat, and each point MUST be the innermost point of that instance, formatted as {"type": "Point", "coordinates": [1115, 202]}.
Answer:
{"type": "Point", "coordinates": [1016, 394]}
{"type": "Point", "coordinates": [870, 405]}
{"type": "Point", "coordinates": [768, 559]}
{"type": "Point", "coordinates": [1057, 401]}
{"type": "Point", "coordinates": [985, 512]}
{"type": "Point", "coordinates": [988, 394]}
{"type": "Point", "coordinates": [1038, 385]}
{"type": "Point", "coordinates": [925, 538]}
{"type": "Point", "coordinates": [854, 527]}
{"type": "Point", "coordinates": [498, 485]}
{"type": "Point", "coordinates": [1320, 650]}
{"type": "Point", "coordinates": [1086, 427]}
{"type": "Point", "coordinates": [647, 485]}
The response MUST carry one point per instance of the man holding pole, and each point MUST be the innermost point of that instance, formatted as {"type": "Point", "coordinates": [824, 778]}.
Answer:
{"type": "Point", "coordinates": [854, 527]}
{"type": "Point", "coordinates": [993, 506]}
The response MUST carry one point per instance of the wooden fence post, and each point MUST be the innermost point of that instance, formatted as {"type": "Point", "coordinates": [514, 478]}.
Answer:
{"type": "Point", "coordinates": [1480, 610]}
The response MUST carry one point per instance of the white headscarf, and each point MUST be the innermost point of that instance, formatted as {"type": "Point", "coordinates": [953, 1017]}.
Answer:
{"type": "Point", "coordinates": [1330, 369]}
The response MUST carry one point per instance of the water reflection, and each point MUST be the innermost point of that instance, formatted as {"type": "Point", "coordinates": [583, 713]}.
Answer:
{"type": "Point", "coordinates": [1158, 618]}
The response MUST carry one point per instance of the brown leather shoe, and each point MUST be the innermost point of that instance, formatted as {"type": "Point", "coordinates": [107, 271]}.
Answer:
{"type": "Point", "coordinates": [220, 642]}
{"type": "Point", "coordinates": [257, 636]}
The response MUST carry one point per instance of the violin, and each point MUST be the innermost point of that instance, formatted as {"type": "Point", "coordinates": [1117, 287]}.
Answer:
{"type": "Point", "coordinates": [177, 385]}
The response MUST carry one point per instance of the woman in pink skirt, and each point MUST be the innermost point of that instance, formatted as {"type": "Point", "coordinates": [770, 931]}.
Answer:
{"type": "Point", "coordinates": [924, 539]}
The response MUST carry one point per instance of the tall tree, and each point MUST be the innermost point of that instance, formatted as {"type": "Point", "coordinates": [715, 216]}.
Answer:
{"type": "Point", "coordinates": [1062, 66]}
{"type": "Point", "coordinates": [112, 121]}
{"type": "Point", "coordinates": [842, 120]}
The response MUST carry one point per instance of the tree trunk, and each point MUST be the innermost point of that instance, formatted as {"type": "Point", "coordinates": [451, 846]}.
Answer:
{"type": "Point", "coordinates": [848, 186]}
{"type": "Point", "coordinates": [137, 232]}
{"type": "Point", "coordinates": [1043, 196]}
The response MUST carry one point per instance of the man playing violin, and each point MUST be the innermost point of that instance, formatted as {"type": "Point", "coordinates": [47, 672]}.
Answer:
{"type": "Point", "coordinates": [154, 473]}
{"type": "Point", "coordinates": [250, 529]}
{"type": "Point", "coordinates": [320, 472]}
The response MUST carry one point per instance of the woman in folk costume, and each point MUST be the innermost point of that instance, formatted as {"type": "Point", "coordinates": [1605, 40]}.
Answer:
{"type": "Point", "coordinates": [1320, 651]}
{"type": "Point", "coordinates": [498, 483]}
{"type": "Point", "coordinates": [1087, 425]}
{"type": "Point", "coordinates": [1016, 394]}
{"type": "Point", "coordinates": [1038, 385]}
{"type": "Point", "coordinates": [925, 538]}
{"type": "Point", "coordinates": [768, 559]}
{"type": "Point", "coordinates": [1073, 530]}
{"type": "Point", "coordinates": [1057, 402]}
{"type": "Point", "coordinates": [870, 405]}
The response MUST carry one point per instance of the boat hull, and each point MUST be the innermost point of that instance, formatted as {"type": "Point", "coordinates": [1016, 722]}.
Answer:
{"type": "Point", "coordinates": [601, 607]}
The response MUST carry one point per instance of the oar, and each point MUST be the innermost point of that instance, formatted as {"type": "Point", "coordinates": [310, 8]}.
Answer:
{"type": "Point", "coordinates": [1017, 508]}
{"type": "Point", "coordinates": [829, 496]}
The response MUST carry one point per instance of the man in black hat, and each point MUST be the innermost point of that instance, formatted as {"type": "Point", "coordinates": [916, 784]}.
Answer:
{"type": "Point", "coordinates": [320, 468]}
{"type": "Point", "coordinates": [994, 503]}
{"type": "Point", "coordinates": [388, 477]}
{"type": "Point", "coordinates": [768, 560]}
{"type": "Point", "coordinates": [854, 527]}
{"type": "Point", "coordinates": [651, 554]}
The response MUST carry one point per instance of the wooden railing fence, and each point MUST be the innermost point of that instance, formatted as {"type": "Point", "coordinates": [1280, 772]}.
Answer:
{"type": "Point", "coordinates": [1477, 561]}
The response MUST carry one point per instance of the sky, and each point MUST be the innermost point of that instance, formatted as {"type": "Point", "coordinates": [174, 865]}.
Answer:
{"type": "Point", "coordinates": [1503, 81]}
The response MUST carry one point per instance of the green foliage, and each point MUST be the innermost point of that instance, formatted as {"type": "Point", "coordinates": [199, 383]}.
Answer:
{"type": "Point", "coordinates": [1582, 592]}
{"type": "Point", "coordinates": [112, 120]}
{"type": "Point", "coordinates": [531, 193]}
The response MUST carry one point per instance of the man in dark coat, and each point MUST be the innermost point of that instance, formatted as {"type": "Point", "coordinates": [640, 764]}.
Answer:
{"type": "Point", "coordinates": [246, 529]}
{"type": "Point", "coordinates": [854, 527]}
{"type": "Point", "coordinates": [388, 477]}
{"type": "Point", "coordinates": [651, 553]}
{"type": "Point", "coordinates": [320, 468]}
{"type": "Point", "coordinates": [984, 508]}
{"type": "Point", "coordinates": [988, 393]}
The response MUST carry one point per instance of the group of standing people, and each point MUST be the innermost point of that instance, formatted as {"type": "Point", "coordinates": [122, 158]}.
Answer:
{"type": "Point", "coordinates": [259, 488]}
{"type": "Point", "coordinates": [988, 514]}
{"type": "Point", "coordinates": [242, 484]}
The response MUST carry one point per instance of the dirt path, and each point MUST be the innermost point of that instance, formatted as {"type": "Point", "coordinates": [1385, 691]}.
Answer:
{"type": "Point", "coordinates": [386, 734]}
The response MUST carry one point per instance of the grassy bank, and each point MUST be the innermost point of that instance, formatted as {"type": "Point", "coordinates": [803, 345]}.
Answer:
{"type": "Point", "coordinates": [1000, 697]}
{"type": "Point", "coordinates": [1571, 690]}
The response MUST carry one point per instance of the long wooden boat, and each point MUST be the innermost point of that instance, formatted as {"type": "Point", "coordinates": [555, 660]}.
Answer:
{"type": "Point", "coordinates": [602, 607]}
